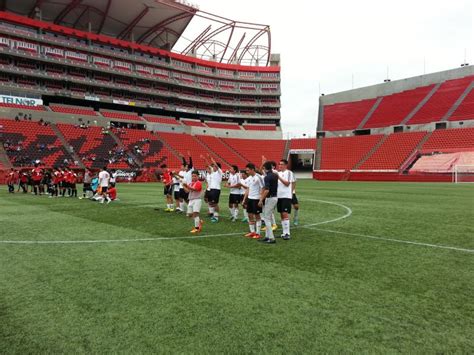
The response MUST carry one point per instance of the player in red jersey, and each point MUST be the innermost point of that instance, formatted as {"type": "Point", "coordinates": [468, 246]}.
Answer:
{"type": "Point", "coordinates": [36, 177]}
{"type": "Point", "coordinates": [167, 179]}
{"type": "Point", "coordinates": [11, 179]}
{"type": "Point", "coordinates": [72, 180]}
{"type": "Point", "coordinates": [194, 188]}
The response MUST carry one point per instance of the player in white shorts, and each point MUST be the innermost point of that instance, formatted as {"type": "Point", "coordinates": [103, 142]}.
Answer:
{"type": "Point", "coordinates": [194, 188]}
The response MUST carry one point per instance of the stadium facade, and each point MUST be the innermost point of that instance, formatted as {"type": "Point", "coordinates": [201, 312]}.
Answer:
{"type": "Point", "coordinates": [99, 83]}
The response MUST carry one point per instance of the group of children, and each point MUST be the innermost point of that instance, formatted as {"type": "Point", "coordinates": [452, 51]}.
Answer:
{"type": "Point", "coordinates": [259, 190]}
{"type": "Point", "coordinates": [61, 182]}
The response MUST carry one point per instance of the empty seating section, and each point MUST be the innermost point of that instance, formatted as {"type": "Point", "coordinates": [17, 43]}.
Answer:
{"type": "Point", "coordinates": [223, 125]}
{"type": "Point", "coordinates": [393, 152]}
{"type": "Point", "coordinates": [441, 101]}
{"type": "Point", "coordinates": [395, 108]}
{"type": "Point", "coordinates": [163, 120]}
{"type": "Point", "coordinates": [92, 146]}
{"type": "Point", "coordinates": [347, 115]}
{"type": "Point", "coordinates": [450, 140]}
{"type": "Point", "coordinates": [343, 153]}
{"type": "Point", "coordinates": [465, 111]}
{"type": "Point", "coordinates": [253, 150]}
{"type": "Point", "coordinates": [25, 142]}
{"type": "Point", "coordinates": [303, 143]}
{"type": "Point", "coordinates": [147, 147]}
{"type": "Point", "coordinates": [222, 150]}
{"type": "Point", "coordinates": [73, 110]}
{"type": "Point", "coordinates": [121, 115]}
{"type": "Point", "coordinates": [23, 107]}
{"type": "Point", "coordinates": [259, 127]}
{"type": "Point", "coordinates": [184, 143]}
{"type": "Point", "coordinates": [193, 123]}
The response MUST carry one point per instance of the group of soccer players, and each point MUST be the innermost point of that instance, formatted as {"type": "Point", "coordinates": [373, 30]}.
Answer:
{"type": "Point", "coordinates": [61, 182]}
{"type": "Point", "coordinates": [259, 190]}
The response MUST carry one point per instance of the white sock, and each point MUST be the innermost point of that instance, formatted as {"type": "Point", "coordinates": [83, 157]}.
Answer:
{"type": "Point", "coordinates": [211, 210]}
{"type": "Point", "coordinates": [216, 214]}
{"type": "Point", "coordinates": [181, 206]}
{"type": "Point", "coordinates": [258, 226]}
{"type": "Point", "coordinates": [285, 225]}
{"type": "Point", "coordinates": [273, 219]}
{"type": "Point", "coordinates": [197, 221]}
{"type": "Point", "coordinates": [236, 212]}
{"type": "Point", "coordinates": [252, 228]}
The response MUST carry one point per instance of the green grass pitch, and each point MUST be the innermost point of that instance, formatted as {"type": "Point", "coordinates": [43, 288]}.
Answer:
{"type": "Point", "coordinates": [397, 275]}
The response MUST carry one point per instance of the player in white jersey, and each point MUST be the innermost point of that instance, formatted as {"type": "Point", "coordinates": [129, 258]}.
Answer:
{"type": "Point", "coordinates": [175, 187]}
{"type": "Point", "coordinates": [185, 175]}
{"type": "Point", "coordinates": [254, 185]}
{"type": "Point", "coordinates": [208, 190]}
{"type": "Point", "coordinates": [285, 194]}
{"type": "Point", "coordinates": [294, 202]}
{"type": "Point", "coordinates": [235, 196]}
{"type": "Point", "coordinates": [104, 180]}
{"type": "Point", "coordinates": [243, 178]}
{"type": "Point", "coordinates": [215, 185]}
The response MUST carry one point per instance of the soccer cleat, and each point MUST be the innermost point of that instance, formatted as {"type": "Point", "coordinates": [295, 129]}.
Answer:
{"type": "Point", "coordinates": [214, 220]}
{"type": "Point", "coordinates": [263, 229]}
{"type": "Point", "coordinates": [274, 227]}
{"type": "Point", "coordinates": [286, 237]}
{"type": "Point", "coordinates": [245, 220]}
{"type": "Point", "coordinates": [268, 241]}
{"type": "Point", "coordinates": [249, 235]}
{"type": "Point", "coordinates": [256, 236]}
{"type": "Point", "coordinates": [195, 230]}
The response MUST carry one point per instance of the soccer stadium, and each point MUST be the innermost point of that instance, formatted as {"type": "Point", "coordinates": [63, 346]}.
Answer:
{"type": "Point", "coordinates": [152, 200]}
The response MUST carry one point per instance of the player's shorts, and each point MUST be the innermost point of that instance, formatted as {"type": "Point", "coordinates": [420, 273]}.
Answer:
{"type": "Point", "coordinates": [284, 205]}
{"type": "Point", "coordinates": [235, 199]}
{"type": "Point", "coordinates": [294, 200]}
{"type": "Point", "coordinates": [253, 207]}
{"type": "Point", "coordinates": [206, 196]}
{"type": "Point", "coordinates": [72, 186]}
{"type": "Point", "coordinates": [104, 189]}
{"type": "Point", "coordinates": [87, 187]}
{"type": "Point", "coordinates": [167, 190]}
{"type": "Point", "coordinates": [214, 195]}
{"type": "Point", "coordinates": [176, 194]}
{"type": "Point", "coordinates": [36, 182]}
{"type": "Point", "coordinates": [183, 194]}
{"type": "Point", "coordinates": [195, 206]}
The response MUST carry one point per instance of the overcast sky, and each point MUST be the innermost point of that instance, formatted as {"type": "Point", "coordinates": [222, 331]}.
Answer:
{"type": "Point", "coordinates": [323, 44]}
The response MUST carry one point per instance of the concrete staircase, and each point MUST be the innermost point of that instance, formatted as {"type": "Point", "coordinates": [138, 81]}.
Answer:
{"type": "Point", "coordinates": [286, 151]}
{"type": "Point", "coordinates": [4, 158]}
{"type": "Point", "coordinates": [421, 104]}
{"type": "Point", "coordinates": [372, 151]}
{"type": "Point", "coordinates": [232, 149]}
{"type": "Point", "coordinates": [175, 153]}
{"type": "Point", "coordinates": [67, 146]}
{"type": "Point", "coordinates": [117, 140]}
{"type": "Point", "coordinates": [319, 152]}
{"type": "Point", "coordinates": [220, 159]}
{"type": "Point", "coordinates": [412, 158]}
{"type": "Point", "coordinates": [458, 102]}
{"type": "Point", "coordinates": [370, 113]}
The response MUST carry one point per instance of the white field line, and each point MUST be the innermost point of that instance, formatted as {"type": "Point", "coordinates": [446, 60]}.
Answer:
{"type": "Point", "coordinates": [196, 237]}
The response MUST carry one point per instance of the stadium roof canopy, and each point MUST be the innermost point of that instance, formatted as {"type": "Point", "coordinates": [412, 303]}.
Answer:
{"type": "Point", "coordinates": [158, 23]}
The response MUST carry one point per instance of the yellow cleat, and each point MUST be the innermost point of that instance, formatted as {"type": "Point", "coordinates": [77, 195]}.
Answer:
{"type": "Point", "coordinates": [195, 230]}
{"type": "Point", "coordinates": [274, 227]}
